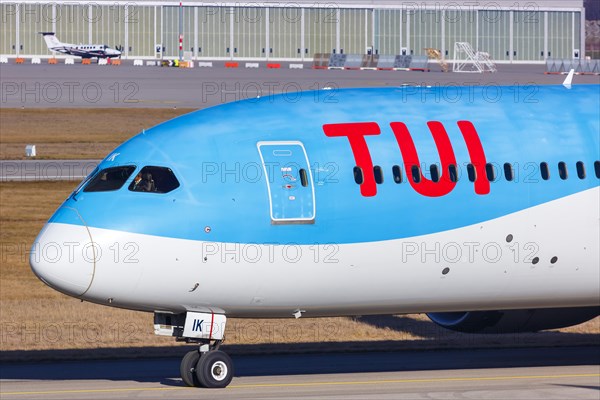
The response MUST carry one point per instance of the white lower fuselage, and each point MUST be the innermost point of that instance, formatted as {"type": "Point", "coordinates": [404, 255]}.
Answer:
{"type": "Point", "coordinates": [541, 257]}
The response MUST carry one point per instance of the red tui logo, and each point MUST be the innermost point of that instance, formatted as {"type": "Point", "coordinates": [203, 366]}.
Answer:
{"type": "Point", "coordinates": [356, 132]}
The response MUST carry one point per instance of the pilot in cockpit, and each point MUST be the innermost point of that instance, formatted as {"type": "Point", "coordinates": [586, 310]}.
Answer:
{"type": "Point", "coordinates": [143, 182]}
{"type": "Point", "coordinates": [148, 183]}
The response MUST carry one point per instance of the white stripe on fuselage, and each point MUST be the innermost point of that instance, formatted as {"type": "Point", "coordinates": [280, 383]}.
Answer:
{"type": "Point", "coordinates": [395, 276]}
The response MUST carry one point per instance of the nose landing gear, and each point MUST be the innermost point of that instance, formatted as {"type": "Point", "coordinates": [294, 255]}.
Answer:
{"type": "Point", "coordinates": [207, 366]}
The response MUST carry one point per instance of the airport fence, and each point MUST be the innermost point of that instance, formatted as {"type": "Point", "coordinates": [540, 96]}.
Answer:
{"type": "Point", "coordinates": [564, 65]}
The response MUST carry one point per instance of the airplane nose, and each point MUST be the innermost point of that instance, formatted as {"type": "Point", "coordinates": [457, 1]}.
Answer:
{"type": "Point", "coordinates": [63, 255]}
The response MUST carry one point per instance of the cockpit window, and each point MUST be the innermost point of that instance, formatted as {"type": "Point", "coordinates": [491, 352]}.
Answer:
{"type": "Point", "coordinates": [109, 179]}
{"type": "Point", "coordinates": [155, 180]}
{"type": "Point", "coordinates": [84, 182]}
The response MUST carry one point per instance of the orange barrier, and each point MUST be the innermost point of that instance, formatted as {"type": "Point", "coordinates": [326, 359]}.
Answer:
{"type": "Point", "coordinates": [231, 65]}
{"type": "Point", "coordinates": [86, 61]}
{"type": "Point", "coordinates": [273, 66]}
{"type": "Point", "coordinates": [19, 60]}
{"type": "Point", "coordinates": [115, 62]}
{"type": "Point", "coordinates": [52, 61]}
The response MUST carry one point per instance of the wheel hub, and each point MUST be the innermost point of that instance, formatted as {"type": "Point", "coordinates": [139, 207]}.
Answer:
{"type": "Point", "coordinates": [219, 371]}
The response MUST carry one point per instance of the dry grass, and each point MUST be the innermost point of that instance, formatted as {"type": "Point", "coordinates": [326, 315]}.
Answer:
{"type": "Point", "coordinates": [34, 317]}
{"type": "Point", "coordinates": [69, 133]}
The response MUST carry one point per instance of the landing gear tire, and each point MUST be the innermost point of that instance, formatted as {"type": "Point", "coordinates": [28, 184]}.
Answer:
{"type": "Point", "coordinates": [187, 369]}
{"type": "Point", "coordinates": [214, 370]}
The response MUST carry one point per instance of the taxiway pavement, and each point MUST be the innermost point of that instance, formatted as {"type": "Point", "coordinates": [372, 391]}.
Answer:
{"type": "Point", "coordinates": [88, 86]}
{"type": "Point", "coordinates": [519, 373]}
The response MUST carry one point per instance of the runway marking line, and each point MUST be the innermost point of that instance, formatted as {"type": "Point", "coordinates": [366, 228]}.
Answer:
{"type": "Point", "coordinates": [308, 384]}
{"type": "Point", "coordinates": [429, 380]}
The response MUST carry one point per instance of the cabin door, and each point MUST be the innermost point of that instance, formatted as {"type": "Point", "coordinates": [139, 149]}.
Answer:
{"type": "Point", "coordinates": [289, 182]}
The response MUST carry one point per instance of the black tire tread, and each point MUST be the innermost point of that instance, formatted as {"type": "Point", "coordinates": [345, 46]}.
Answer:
{"type": "Point", "coordinates": [204, 365]}
{"type": "Point", "coordinates": [187, 368]}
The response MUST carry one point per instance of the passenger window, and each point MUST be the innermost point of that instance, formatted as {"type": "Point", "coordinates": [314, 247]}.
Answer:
{"type": "Point", "coordinates": [358, 175]}
{"type": "Point", "coordinates": [303, 177]}
{"type": "Point", "coordinates": [453, 173]}
{"type": "Point", "coordinates": [397, 172]}
{"type": "Point", "coordinates": [109, 179]}
{"type": "Point", "coordinates": [490, 172]}
{"type": "Point", "coordinates": [435, 173]}
{"type": "Point", "coordinates": [580, 170]}
{"type": "Point", "coordinates": [471, 172]}
{"type": "Point", "coordinates": [508, 172]}
{"type": "Point", "coordinates": [378, 174]}
{"type": "Point", "coordinates": [416, 173]}
{"type": "Point", "coordinates": [154, 180]}
{"type": "Point", "coordinates": [597, 169]}
{"type": "Point", "coordinates": [562, 170]}
{"type": "Point", "coordinates": [545, 171]}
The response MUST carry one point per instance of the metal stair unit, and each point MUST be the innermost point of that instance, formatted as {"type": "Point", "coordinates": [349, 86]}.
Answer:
{"type": "Point", "coordinates": [468, 60]}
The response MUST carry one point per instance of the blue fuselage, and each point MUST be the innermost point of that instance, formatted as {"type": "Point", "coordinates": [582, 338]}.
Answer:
{"type": "Point", "coordinates": [213, 154]}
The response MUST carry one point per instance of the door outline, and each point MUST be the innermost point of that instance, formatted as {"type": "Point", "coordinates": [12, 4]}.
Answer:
{"type": "Point", "coordinates": [281, 221]}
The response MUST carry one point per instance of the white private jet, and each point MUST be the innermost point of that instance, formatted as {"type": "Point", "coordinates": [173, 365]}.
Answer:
{"type": "Point", "coordinates": [79, 50]}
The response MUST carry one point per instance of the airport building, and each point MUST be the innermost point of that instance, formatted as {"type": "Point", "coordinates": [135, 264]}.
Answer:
{"type": "Point", "coordinates": [510, 31]}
